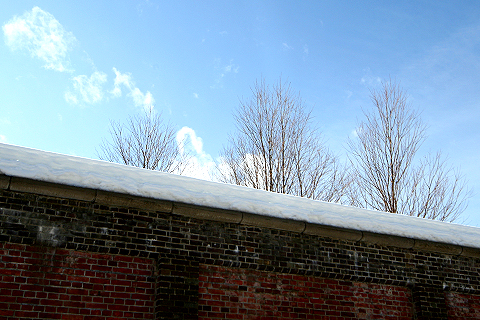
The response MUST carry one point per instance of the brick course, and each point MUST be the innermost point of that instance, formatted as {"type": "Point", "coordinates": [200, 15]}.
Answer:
{"type": "Point", "coordinates": [462, 306]}
{"type": "Point", "coordinates": [228, 293]}
{"type": "Point", "coordinates": [125, 257]}
{"type": "Point", "coordinates": [39, 282]}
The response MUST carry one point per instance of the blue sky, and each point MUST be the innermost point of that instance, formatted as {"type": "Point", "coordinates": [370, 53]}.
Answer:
{"type": "Point", "coordinates": [68, 68]}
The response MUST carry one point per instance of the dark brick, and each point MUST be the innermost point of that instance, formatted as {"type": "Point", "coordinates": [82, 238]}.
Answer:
{"type": "Point", "coordinates": [185, 252]}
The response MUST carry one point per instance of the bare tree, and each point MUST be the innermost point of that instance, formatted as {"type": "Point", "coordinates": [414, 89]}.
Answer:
{"type": "Point", "coordinates": [387, 175]}
{"type": "Point", "coordinates": [144, 141]}
{"type": "Point", "coordinates": [275, 148]}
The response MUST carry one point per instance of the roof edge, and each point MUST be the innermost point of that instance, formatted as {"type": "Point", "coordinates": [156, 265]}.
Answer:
{"type": "Point", "coordinates": [89, 180]}
{"type": "Point", "coordinates": [227, 216]}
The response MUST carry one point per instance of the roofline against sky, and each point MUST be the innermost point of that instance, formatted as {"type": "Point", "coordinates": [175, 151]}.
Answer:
{"type": "Point", "coordinates": [298, 214]}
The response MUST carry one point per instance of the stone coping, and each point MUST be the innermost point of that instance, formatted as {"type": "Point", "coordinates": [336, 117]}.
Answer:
{"type": "Point", "coordinates": [228, 216]}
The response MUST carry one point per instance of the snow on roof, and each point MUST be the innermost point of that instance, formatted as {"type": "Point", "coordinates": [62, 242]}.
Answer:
{"type": "Point", "coordinates": [94, 174]}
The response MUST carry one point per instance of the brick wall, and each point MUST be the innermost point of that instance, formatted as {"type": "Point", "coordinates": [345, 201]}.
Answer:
{"type": "Point", "coordinates": [39, 282]}
{"type": "Point", "coordinates": [462, 306]}
{"type": "Point", "coordinates": [68, 256]}
{"type": "Point", "coordinates": [229, 293]}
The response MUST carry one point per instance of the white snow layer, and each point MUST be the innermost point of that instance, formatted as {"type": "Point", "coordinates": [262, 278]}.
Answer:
{"type": "Point", "coordinates": [80, 172]}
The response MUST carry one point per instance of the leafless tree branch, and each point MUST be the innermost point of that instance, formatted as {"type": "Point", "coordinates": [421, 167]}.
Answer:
{"type": "Point", "coordinates": [387, 178]}
{"type": "Point", "coordinates": [275, 148]}
{"type": "Point", "coordinates": [144, 141]}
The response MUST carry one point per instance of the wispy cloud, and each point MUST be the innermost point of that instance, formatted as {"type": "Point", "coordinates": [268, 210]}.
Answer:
{"type": "Point", "coordinates": [146, 5]}
{"type": "Point", "coordinates": [195, 95]}
{"type": "Point", "coordinates": [285, 46]}
{"type": "Point", "coordinates": [200, 164]}
{"type": "Point", "coordinates": [39, 33]}
{"type": "Point", "coordinates": [348, 94]}
{"type": "Point", "coordinates": [445, 78]}
{"type": "Point", "coordinates": [140, 99]}
{"type": "Point", "coordinates": [369, 79]}
{"type": "Point", "coordinates": [3, 138]}
{"type": "Point", "coordinates": [231, 68]}
{"type": "Point", "coordinates": [87, 90]}
{"type": "Point", "coordinates": [305, 50]}
{"type": "Point", "coordinates": [451, 65]}
{"type": "Point", "coordinates": [224, 70]}
{"type": "Point", "coordinates": [5, 121]}
{"type": "Point", "coordinates": [42, 36]}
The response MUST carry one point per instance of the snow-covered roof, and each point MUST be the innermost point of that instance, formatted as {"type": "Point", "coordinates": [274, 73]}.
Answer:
{"type": "Point", "coordinates": [100, 175]}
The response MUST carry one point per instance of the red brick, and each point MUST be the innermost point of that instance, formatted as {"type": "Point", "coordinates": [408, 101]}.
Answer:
{"type": "Point", "coordinates": [304, 296]}
{"type": "Point", "coordinates": [55, 286]}
{"type": "Point", "coordinates": [6, 313]}
{"type": "Point", "coordinates": [26, 314]}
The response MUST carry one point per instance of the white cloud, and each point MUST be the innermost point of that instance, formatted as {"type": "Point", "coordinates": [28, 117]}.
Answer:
{"type": "Point", "coordinates": [5, 121]}
{"type": "Point", "coordinates": [195, 142]}
{"type": "Point", "coordinates": [120, 79]}
{"type": "Point", "coordinates": [200, 165]}
{"type": "Point", "coordinates": [88, 89]}
{"type": "Point", "coordinates": [71, 98]}
{"type": "Point", "coordinates": [140, 99]}
{"type": "Point", "coordinates": [231, 68]}
{"type": "Point", "coordinates": [224, 70]}
{"type": "Point", "coordinates": [448, 70]}
{"type": "Point", "coordinates": [3, 138]}
{"type": "Point", "coordinates": [286, 46]}
{"type": "Point", "coordinates": [195, 95]}
{"type": "Point", "coordinates": [305, 50]}
{"type": "Point", "coordinates": [146, 5]}
{"type": "Point", "coordinates": [355, 132]}
{"type": "Point", "coordinates": [39, 33]}
{"type": "Point", "coordinates": [369, 79]}
{"type": "Point", "coordinates": [348, 94]}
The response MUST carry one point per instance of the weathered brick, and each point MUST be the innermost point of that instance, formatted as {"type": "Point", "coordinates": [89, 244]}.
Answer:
{"type": "Point", "coordinates": [207, 263]}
